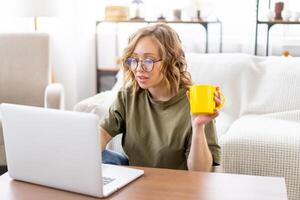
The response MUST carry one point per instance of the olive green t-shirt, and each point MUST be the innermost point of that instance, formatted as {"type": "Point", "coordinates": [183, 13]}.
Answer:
{"type": "Point", "coordinates": [155, 133]}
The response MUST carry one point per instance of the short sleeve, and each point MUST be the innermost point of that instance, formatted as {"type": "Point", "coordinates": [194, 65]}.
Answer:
{"type": "Point", "coordinates": [114, 120]}
{"type": "Point", "coordinates": [212, 141]}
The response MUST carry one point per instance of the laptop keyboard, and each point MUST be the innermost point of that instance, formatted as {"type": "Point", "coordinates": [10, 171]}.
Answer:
{"type": "Point", "coordinates": [107, 180]}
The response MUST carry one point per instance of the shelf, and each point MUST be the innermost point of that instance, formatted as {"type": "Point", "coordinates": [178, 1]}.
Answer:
{"type": "Point", "coordinates": [159, 21]}
{"type": "Point", "coordinates": [108, 70]}
{"type": "Point", "coordinates": [269, 25]}
{"type": "Point", "coordinates": [205, 24]}
{"type": "Point", "coordinates": [277, 22]}
{"type": "Point", "coordinates": [106, 78]}
{"type": "Point", "coordinates": [112, 71]}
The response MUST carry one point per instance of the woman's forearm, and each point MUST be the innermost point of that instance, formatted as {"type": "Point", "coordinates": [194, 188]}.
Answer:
{"type": "Point", "coordinates": [200, 158]}
{"type": "Point", "coordinates": [104, 138]}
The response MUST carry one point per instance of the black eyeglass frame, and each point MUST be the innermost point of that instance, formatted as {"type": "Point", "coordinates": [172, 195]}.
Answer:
{"type": "Point", "coordinates": [142, 63]}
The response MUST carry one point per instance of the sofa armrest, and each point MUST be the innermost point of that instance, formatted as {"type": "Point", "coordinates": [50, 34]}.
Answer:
{"type": "Point", "coordinates": [54, 96]}
{"type": "Point", "coordinates": [259, 145]}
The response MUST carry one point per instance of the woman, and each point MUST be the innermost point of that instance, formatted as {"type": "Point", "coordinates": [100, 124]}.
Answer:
{"type": "Point", "coordinates": [152, 109]}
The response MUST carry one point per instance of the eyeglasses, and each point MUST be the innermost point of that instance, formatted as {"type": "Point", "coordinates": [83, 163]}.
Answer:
{"type": "Point", "coordinates": [147, 64]}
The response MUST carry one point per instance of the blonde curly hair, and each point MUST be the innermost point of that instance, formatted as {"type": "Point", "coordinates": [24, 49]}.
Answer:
{"type": "Point", "coordinates": [170, 49]}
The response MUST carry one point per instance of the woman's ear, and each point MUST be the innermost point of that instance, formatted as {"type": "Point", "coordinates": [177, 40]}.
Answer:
{"type": "Point", "coordinates": [188, 94]}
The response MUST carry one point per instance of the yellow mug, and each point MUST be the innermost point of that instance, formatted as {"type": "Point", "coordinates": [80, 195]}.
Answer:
{"type": "Point", "coordinates": [202, 99]}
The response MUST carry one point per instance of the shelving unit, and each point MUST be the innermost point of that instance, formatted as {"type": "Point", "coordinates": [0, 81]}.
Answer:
{"type": "Point", "coordinates": [113, 70]}
{"type": "Point", "coordinates": [269, 24]}
{"type": "Point", "coordinates": [108, 76]}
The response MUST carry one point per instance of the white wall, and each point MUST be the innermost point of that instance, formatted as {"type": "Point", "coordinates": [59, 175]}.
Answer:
{"type": "Point", "coordinates": [72, 34]}
{"type": "Point", "coordinates": [73, 48]}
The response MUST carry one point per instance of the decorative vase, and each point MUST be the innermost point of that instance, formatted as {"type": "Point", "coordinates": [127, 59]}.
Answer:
{"type": "Point", "coordinates": [278, 9]}
{"type": "Point", "coordinates": [177, 15]}
{"type": "Point", "coordinates": [137, 10]}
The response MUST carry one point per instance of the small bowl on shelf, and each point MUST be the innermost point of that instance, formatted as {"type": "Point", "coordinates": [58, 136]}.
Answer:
{"type": "Point", "coordinates": [295, 16]}
{"type": "Point", "coordinates": [286, 15]}
{"type": "Point", "coordinates": [270, 15]}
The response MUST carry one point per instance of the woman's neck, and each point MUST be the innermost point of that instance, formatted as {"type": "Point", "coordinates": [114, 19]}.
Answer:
{"type": "Point", "coordinates": [161, 93]}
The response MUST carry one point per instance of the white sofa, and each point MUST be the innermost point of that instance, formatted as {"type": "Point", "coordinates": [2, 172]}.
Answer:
{"type": "Point", "coordinates": [259, 126]}
{"type": "Point", "coordinates": [25, 75]}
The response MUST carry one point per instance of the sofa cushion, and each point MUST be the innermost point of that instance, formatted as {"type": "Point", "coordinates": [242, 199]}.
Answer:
{"type": "Point", "coordinates": [265, 145]}
{"type": "Point", "coordinates": [98, 104]}
{"type": "Point", "coordinates": [223, 123]}
{"type": "Point", "coordinates": [277, 87]}
{"type": "Point", "coordinates": [252, 85]}
{"type": "Point", "coordinates": [232, 72]}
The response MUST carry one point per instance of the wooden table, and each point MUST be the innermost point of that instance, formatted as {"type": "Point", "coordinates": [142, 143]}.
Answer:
{"type": "Point", "coordinates": [164, 184]}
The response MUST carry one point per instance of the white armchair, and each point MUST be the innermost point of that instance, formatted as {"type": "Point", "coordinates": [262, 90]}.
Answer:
{"type": "Point", "coordinates": [25, 74]}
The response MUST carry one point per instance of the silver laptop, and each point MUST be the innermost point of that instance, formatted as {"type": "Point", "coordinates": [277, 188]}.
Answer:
{"type": "Point", "coordinates": [59, 149]}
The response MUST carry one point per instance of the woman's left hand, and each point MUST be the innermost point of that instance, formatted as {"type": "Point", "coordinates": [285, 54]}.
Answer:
{"type": "Point", "coordinates": [202, 119]}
